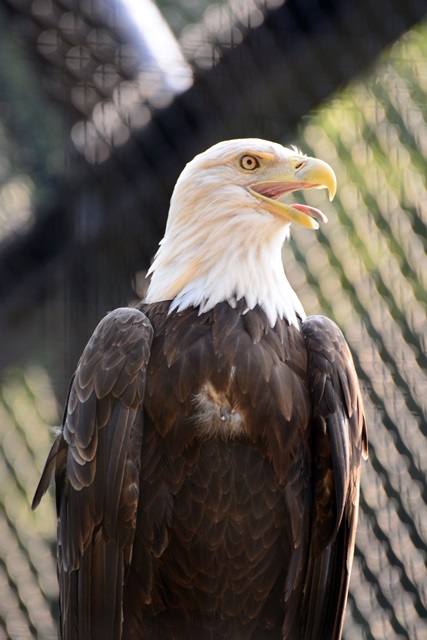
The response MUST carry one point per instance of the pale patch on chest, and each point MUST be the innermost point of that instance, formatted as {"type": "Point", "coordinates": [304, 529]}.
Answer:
{"type": "Point", "coordinates": [216, 416]}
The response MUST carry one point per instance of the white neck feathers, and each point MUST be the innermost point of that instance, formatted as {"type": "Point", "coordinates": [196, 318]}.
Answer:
{"type": "Point", "coordinates": [220, 246]}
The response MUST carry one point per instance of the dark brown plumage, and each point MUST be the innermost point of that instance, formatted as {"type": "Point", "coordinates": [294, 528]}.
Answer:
{"type": "Point", "coordinates": [207, 472]}
{"type": "Point", "coordinates": [207, 537]}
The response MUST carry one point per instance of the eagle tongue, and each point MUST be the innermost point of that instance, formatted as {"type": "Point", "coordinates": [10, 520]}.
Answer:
{"type": "Point", "coordinates": [275, 190]}
{"type": "Point", "coordinates": [311, 211]}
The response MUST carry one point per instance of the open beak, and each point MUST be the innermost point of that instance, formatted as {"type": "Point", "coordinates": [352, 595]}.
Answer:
{"type": "Point", "coordinates": [308, 173]}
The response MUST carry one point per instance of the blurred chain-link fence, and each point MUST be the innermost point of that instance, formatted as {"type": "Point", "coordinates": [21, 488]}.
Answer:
{"type": "Point", "coordinates": [95, 125]}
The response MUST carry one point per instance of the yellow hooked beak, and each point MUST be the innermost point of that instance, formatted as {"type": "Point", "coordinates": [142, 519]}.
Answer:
{"type": "Point", "coordinates": [305, 173]}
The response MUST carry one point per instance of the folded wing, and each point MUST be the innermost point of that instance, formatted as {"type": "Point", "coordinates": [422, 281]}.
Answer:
{"type": "Point", "coordinates": [339, 444]}
{"type": "Point", "coordinates": [95, 463]}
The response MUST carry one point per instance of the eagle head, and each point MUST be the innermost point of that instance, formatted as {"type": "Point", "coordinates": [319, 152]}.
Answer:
{"type": "Point", "coordinates": [227, 223]}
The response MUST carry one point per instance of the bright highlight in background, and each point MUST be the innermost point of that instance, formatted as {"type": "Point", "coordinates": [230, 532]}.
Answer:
{"type": "Point", "coordinates": [161, 50]}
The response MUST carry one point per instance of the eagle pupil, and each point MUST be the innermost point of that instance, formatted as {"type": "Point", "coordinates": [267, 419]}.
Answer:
{"type": "Point", "coordinates": [249, 162]}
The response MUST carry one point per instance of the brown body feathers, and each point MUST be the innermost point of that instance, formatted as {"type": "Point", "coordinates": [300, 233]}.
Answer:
{"type": "Point", "coordinates": [207, 478]}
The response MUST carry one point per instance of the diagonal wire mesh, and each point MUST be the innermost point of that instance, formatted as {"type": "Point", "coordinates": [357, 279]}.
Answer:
{"type": "Point", "coordinates": [367, 269]}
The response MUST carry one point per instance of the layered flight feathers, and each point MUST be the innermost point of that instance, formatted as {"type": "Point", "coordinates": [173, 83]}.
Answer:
{"type": "Point", "coordinates": [339, 445]}
{"type": "Point", "coordinates": [96, 463]}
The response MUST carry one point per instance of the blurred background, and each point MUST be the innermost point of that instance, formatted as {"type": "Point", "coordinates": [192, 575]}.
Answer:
{"type": "Point", "coordinates": [102, 102]}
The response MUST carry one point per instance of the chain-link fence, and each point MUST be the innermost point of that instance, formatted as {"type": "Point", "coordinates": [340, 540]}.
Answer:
{"type": "Point", "coordinates": [111, 133]}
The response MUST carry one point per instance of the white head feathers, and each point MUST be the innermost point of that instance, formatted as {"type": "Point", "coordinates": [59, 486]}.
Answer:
{"type": "Point", "coordinates": [223, 240]}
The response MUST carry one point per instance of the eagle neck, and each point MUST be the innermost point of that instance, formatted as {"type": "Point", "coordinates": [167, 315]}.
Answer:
{"type": "Point", "coordinates": [214, 273]}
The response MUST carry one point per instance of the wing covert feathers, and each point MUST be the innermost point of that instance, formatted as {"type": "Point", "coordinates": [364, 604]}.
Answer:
{"type": "Point", "coordinates": [96, 462]}
{"type": "Point", "coordinates": [339, 444]}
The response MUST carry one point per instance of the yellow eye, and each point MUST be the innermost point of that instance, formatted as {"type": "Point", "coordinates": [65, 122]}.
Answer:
{"type": "Point", "coordinates": [249, 163]}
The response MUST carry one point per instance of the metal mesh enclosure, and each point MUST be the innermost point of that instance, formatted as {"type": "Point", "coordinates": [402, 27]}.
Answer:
{"type": "Point", "coordinates": [298, 73]}
{"type": "Point", "coordinates": [368, 269]}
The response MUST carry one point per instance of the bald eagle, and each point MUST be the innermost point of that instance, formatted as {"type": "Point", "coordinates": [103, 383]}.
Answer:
{"type": "Point", "coordinates": [207, 471]}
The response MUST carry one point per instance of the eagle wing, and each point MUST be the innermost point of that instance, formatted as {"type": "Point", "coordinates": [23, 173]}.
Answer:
{"type": "Point", "coordinates": [95, 462]}
{"type": "Point", "coordinates": [339, 443]}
